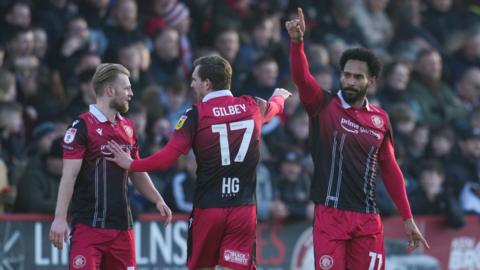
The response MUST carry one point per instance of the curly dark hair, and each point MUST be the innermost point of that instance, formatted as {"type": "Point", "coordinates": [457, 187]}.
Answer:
{"type": "Point", "coordinates": [364, 55]}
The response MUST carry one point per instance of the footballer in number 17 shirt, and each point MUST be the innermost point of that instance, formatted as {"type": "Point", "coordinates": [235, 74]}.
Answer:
{"type": "Point", "coordinates": [224, 133]}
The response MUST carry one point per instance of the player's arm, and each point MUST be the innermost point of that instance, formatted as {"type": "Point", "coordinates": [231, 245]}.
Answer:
{"type": "Point", "coordinates": [142, 182]}
{"type": "Point", "coordinates": [310, 92]}
{"type": "Point", "coordinates": [180, 143]}
{"type": "Point", "coordinates": [274, 105]}
{"type": "Point", "coordinates": [394, 182]}
{"type": "Point", "coordinates": [59, 230]}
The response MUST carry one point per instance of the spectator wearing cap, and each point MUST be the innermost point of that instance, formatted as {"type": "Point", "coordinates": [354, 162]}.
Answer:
{"type": "Point", "coordinates": [38, 186]}
{"type": "Point", "coordinates": [42, 138]}
{"type": "Point", "coordinates": [292, 189]}
{"type": "Point", "coordinates": [177, 16]}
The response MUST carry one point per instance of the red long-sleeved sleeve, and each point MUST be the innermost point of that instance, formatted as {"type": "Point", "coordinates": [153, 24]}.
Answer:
{"type": "Point", "coordinates": [393, 179]}
{"type": "Point", "coordinates": [310, 92]}
{"type": "Point", "coordinates": [158, 161]}
{"type": "Point", "coordinates": [275, 106]}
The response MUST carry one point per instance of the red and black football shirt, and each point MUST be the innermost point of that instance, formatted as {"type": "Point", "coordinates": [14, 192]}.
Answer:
{"type": "Point", "coordinates": [100, 193]}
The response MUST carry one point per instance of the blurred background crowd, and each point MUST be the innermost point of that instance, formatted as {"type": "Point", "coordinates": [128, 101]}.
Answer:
{"type": "Point", "coordinates": [430, 86]}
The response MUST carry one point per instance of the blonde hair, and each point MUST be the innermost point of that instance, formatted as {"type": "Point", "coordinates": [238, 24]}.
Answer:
{"type": "Point", "coordinates": [105, 74]}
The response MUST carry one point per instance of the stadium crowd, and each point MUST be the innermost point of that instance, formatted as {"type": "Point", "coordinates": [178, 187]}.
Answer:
{"type": "Point", "coordinates": [430, 86]}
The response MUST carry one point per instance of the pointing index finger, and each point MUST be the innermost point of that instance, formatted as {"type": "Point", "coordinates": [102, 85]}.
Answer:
{"type": "Point", "coordinates": [300, 14]}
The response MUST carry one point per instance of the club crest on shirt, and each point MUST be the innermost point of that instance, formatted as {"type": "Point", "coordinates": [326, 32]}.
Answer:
{"type": "Point", "coordinates": [79, 261]}
{"type": "Point", "coordinates": [377, 121]}
{"type": "Point", "coordinates": [128, 131]}
{"type": "Point", "coordinates": [326, 262]}
{"type": "Point", "coordinates": [181, 121]}
{"type": "Point", "coordinates": [70, 135]}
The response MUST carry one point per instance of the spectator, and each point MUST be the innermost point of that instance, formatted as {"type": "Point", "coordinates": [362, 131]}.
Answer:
{"type": "Point", "coordinates": [293, 187]}
{"type": "Point", "coordinates": [124, 29]}
{"type": "Point", "coordinates": [263, 79]}
{"type": "Point", "coordinates": [376, 26]}
{"type": "Point", "coordinates": [175, 99]}
{"type": "Point", "coordinates": [179, 191]}
{"type": "Point", "coordinates": [394, 88]}
{"type": "Point", "coordinates": [18, 16]}
{"type": "Point", "coordinates": [466, 167]}
{"type": "Point", "coordinates": [166, 58]}
{"type": "Point", "coordinates": [84, 95]}
{"type": "Point", "coordinates": [470, 198]}
{"type": "Point", "coordinates": [431, 198]}
{"type": "Point", "coordinates": [38, 187]}
{"type": "Point", "coordinates": [438, 103]}
{"type": "Point", "coordinates": [441, 19]}
{"type": "Point", "coordinates": [323, 75]}
{"type": "Point", "coordinates": [177, 16]}
{"type": "Point", "coordinates": [468, 55]}
{"type": "Point", "coordinates": [227, 43]}
{"type": "Point", "coordinates": [12, 139]}
{"type": "Point", "coordinates": [95, 11]}
{"type": "Point", "coordinates": [130, 55]}
{"type": "Point", "coordinates": [340, 24]}
{"type": "Point", "coordinates": [468, 89]}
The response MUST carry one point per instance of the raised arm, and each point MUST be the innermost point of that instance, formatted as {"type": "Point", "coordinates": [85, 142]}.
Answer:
{"type": "Point", "coordinates": [59, 229]}
{"type": "Point", "coordinates": [311, 94]}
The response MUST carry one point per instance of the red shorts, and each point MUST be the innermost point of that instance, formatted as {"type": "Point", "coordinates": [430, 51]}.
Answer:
{"type": "Point", "coordinates": [96, 248]}
{"type": "Point", "coordinates": [347, 240]}
{"type": "Point", "coordinates": [222, 236]}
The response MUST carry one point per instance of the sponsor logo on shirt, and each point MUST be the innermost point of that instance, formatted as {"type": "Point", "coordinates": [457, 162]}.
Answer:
{"type": "Point", "coordinates": [235, 256]}
{"type": "Point", "coordinates": [352, 127]}
{"type": "Point", "coordinates": [104, 149]}
{"type": "Point", "coordinates": [70, 135]}
{"type": "Point", "coordinates": [79, 261]}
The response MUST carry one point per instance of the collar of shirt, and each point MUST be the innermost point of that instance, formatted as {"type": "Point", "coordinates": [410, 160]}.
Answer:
{"type": "Point", "coordinates": [99, 115]}
{"type": "Point", "coordinates": [345, 105]}
{"type": "Point", "coordinates": [215, 94]}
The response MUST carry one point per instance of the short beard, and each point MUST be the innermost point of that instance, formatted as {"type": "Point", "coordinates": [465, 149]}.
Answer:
{"type": "Point", "coordinates": [119, 106]}
{"type": "Point", "coordinates": [360, 94]}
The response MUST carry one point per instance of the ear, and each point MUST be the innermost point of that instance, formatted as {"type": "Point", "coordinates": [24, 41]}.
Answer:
{"type": "Point", "coordinates": [208, 84]}
{"type": "Point", "coordinates": [371, 81]}
{"type": "Point", "coordinates": [109, 90]}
